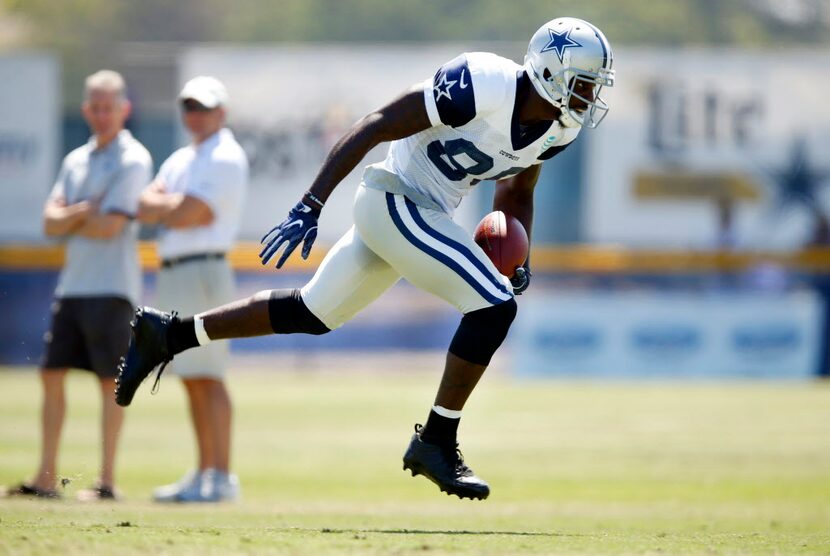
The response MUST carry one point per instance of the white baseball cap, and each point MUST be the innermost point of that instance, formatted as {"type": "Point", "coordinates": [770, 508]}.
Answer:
{"type": "Point", "coordinates": [207, 91]}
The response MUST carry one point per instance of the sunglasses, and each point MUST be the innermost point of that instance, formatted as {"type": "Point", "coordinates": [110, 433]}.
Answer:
{"type": "Point", "coordinates": [190, 105]}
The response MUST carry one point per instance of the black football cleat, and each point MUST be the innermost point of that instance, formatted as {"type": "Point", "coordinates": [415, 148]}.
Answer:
{"type": "Point", "coordinates": [148, 349]}
{"type": "Point", "coordinates": [444, 466]}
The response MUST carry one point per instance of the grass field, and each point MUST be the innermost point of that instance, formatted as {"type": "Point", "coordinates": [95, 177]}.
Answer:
{"type": "Point", "coordinates": [575, 468]}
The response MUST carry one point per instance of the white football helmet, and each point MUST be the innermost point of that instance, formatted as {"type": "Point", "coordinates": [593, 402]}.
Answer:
{"type": "Point", "coordinates": [563, 52]}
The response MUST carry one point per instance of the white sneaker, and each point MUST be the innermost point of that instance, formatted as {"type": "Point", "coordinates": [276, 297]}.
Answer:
{"type": "Point", "coordinates": [224, 487]}
{"type": "Point", "coordinates": [188, 489]}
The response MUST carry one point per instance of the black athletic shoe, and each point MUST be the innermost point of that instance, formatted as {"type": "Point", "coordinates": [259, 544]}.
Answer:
{"type": "Point", "coordinates": [444, 466]}
{"type": "Point", "coordinates": [148, 349]}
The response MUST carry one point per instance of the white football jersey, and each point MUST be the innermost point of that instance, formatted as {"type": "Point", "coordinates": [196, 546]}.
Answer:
{"type": "Point", "coordinates": [476, 134]}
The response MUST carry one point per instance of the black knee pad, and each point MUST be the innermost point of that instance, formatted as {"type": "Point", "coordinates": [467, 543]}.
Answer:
{"type": "Point", "coordinates": [288, 314]}
{"type": "Point", "coordinates": [481, 332]}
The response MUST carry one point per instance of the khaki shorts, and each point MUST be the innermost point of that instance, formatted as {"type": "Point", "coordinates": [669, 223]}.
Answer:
{"type": "Point", "coordinates": [193, 287]}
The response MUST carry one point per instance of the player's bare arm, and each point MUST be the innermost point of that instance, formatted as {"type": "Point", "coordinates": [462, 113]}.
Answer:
{"type": "Point", "coordinates": [60, 219]}
{"type": "Point", "coordinates": [404, 116]}
{"type": "Point", "coordinates": [514, 195]}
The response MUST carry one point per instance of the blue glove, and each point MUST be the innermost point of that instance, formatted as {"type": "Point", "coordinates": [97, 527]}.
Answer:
{"type": "Point", "coordinates": [301, 225]}
{"type": "Point", "coordinates": [520, 280]}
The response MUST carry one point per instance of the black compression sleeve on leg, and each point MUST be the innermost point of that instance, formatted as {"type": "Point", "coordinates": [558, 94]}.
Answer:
{"type": "Point", "coordinates": [288, 314]}
{"type": "Point", "coordinates": [481, 332]}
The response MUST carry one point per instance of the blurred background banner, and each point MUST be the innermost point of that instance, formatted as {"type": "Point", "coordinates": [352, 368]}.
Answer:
{"type": "Point", "coordinates": [29, 140]}
{"type": "Point", "coordinates": [694, 128]}
{"type": "Point", "coordinates": [662, 335]}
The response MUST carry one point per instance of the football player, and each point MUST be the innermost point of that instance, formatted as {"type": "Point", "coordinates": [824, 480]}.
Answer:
{"type": "Point", "coordinates": [481, 117]}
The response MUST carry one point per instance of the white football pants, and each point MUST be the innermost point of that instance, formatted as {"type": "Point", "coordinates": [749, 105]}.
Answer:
{"type": "Point", "coordinates": [393, 238]}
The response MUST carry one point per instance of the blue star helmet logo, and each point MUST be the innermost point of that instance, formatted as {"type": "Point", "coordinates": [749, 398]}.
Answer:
{"type": "Point", "coordinates": [560, 42]}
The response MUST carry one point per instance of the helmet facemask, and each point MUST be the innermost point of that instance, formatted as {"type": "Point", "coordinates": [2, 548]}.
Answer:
{"type": "Point", "coordinates": [567, 56]}
{"type": "Point", "coordinates": [558, 89]}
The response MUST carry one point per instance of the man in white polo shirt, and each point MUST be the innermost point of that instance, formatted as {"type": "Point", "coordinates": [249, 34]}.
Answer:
{"type": "Point", "coordinates": [197, 199]}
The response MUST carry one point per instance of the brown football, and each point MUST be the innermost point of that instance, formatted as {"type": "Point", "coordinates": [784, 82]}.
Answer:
{"type": "Point", "coordinates": [504, 240]}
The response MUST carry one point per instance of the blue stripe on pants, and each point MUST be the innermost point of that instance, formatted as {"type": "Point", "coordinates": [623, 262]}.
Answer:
{"type": "Point", "coordinates": [460, 247]}
{"type": "Point", "coordinates": [439, 256]}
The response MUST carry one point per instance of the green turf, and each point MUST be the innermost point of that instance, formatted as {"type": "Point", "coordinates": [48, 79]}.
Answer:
{"type": "Point", "coordinates": [586, 468]}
